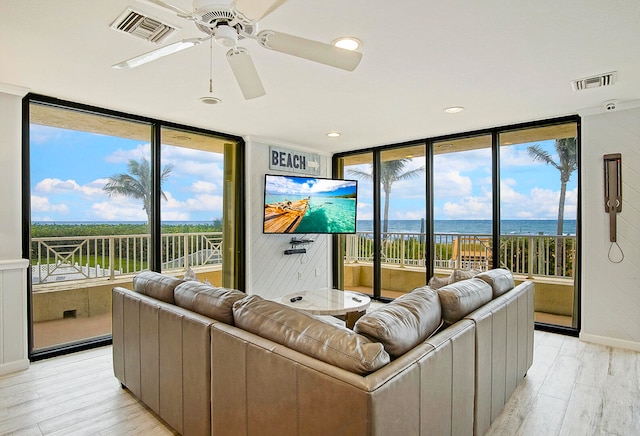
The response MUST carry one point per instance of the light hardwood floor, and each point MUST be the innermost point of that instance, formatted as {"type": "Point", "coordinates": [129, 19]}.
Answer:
{"type": "Point", "coordinates": [573, 388]}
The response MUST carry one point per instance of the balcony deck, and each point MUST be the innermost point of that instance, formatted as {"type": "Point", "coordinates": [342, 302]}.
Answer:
{"type": "Point", "coordinates": [72, 293]}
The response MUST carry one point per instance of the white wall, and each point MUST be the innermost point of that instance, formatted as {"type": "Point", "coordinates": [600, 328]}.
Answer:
{"type": "Point", "coordinates": [271, 273]}
{"type": "Point", "coordinates": [611, 291]}
{"type": "Point", "coordinates": [10, 173]}
{"type": "Point", "coordinates": [13, 285]}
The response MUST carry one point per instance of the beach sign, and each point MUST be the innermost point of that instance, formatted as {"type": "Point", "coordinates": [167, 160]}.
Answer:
{"type": "Point", "coordinates": [294, 161]}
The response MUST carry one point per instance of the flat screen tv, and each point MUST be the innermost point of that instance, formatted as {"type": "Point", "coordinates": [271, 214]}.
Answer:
{"type": "Point", "coordinates": [299, 204]}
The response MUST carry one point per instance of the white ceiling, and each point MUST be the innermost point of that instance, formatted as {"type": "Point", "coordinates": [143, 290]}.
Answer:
{"type": "Point", "coordinates": [505, 61]}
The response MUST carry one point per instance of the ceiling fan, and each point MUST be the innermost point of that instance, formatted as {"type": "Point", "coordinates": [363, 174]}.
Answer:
{"type": "Point", "coordinates": [230, 23]}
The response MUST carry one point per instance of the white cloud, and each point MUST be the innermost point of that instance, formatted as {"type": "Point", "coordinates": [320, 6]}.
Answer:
{"type": "Point", "coordinates": [53, 186]}
{"type": "Point", "coordinates": [123, 156]}
{"type": "Point", "coordinates": [203, 187]}
{"type": "Point", "coordinates": [199, 203]}
{"type": "Point", "coordinates": [56, 186]}
{"type": "Point", "coordinates": [451, 183]}
{"type": "Point", "coordinates": [470, 160]}
{"type": "Point", "coordinates": [364, 211]}
{"type": "Point", "coordinates": [478, 208]}
{"type": "Point", "coordinates": [43, 134]}
{"type": "Point", "coordinates": [42, 204]}
{"type": "Point", "coordinates": [409, 215]}
{"type": "Point", "coordinates": [118, 209]}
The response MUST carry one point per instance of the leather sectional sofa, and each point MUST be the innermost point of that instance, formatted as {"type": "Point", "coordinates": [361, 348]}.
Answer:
{"type": "Point", "coordinates": [215, 361]}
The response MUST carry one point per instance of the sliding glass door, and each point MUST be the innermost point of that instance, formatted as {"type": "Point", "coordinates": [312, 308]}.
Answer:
{"type": "Point", "coordinates": [463, 204]}
{"type": "Point", "coordinates": [195, 179]}
{"type": "Point", "coordinates": [539, 211]}
{"type": "Point", "coordinates": [104, 201]}
{"type": "Point", "coordinates": [504, 197]}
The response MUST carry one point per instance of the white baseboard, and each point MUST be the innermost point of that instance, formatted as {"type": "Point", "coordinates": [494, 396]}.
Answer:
{"type": "Point", "coordinates": [611, 342]}
{"type": "Point", "coordinates": [16, 365]}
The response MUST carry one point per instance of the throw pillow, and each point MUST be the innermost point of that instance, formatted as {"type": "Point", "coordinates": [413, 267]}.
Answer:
{"type": "Point", "coordinates": [500, 280]}
{"type": "Point", "coordinates": [462, 298]}
{"type": "Point", "coordinates": [216, 303]}
{"type": "Point", "coordinates": [302, 332]}
{"type": "Point", "coordinates": [438, 282]}
{"type": "Point", "coordinates": [403, 323]}
{"type": "Point", "coordinates": [463, 274]}
{"type": "Point", "coordinates": [156, 285]}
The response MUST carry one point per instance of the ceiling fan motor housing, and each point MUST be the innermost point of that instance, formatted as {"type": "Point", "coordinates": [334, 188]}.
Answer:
{"type": "Point", "coordinates": [226, 36]}
{"type": "Point", "coordinates": [214, 15]}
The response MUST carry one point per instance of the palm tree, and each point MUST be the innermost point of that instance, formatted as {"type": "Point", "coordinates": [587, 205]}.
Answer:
{"type": "Point", "coordinates": [391, 171]}
{"type": "Point", "coordinates": [137, 183]}
{"type": "Point", "coordinates": [567, 164]}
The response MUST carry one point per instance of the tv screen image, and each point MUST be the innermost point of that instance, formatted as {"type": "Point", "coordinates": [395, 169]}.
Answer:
{"type": "Point", "coordinates": [298, 204]}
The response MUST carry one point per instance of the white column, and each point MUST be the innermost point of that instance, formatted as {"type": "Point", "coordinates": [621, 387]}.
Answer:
{"type": "Point", "coordinates": [13, 278]}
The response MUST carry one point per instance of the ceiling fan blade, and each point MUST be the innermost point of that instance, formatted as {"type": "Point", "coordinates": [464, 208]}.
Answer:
{"type": "Point", "coordinates": [255, 10]}
{"type": "Point", "coordinates": [245, 72]}
{"type": "Point", "coordinates": [179, 11]}
{"type": "Point", "coordinates": [158, 53]}
{"type": "Point", "coordinates": [312, 50]}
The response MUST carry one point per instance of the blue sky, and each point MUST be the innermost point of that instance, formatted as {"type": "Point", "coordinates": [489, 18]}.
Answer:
{"type": "Point", "coordinates": [462, 187]}
{"type": "Point", "coordinates": [303, 186]}
{"type": "Point", "coordinates": [69, 170]}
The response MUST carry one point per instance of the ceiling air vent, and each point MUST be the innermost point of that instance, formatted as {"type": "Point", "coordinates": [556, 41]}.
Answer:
{"type": "Point", "coordinates": [143, 26]}
{"type": "Point", "coordinates": [594, 81]}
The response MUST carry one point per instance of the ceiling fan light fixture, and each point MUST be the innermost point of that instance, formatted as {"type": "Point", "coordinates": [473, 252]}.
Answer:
{"type": "Point", "coordinates": [226, 36]}
{"type": "Point", "coordinates": [347, 42]}
{"type": "Point", "coordinates": [210, 100]}
{"type": "Point", "coordinates": [454, 109]}
{"type": "Point", "coordinates": [156, 54]}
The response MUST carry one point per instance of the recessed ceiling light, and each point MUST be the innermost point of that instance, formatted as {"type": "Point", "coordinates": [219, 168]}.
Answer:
{"type": "Point", "coordinates": [333, 134]}
{"type": "Point", "coordinates": [347, 43]}
{"type": "Point", "coordinates": [454, 109]}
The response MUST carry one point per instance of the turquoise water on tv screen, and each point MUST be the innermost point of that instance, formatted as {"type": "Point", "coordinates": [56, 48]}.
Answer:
{"type": "Point", "coordinates": [325, 214]}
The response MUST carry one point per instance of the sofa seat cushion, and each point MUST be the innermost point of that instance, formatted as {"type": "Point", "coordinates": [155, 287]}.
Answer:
{"type": "Point", "coordinates": [462, 298]}
{"type": "Point", "coordinates": [207, 300]}
{"type": "Point", "coordinates": [306, 334]}
{"type": "Point", "coordinates": [500, 280]}
{"type": "Point", "coordinates": [156, 285]}
{"type": "Point", "coordinates": [403, 323]}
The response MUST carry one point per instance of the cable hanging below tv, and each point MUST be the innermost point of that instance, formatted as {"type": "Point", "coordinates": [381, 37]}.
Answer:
{"type": "Point", "coordinates": [299, 204]}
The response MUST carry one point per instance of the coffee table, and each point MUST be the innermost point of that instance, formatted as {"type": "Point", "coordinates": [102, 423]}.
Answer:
{"type": "Point", "coordinates": [347, 305]}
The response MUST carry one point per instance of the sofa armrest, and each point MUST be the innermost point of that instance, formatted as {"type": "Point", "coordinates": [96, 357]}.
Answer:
{"type": "Point", "coordinates": [161, 353]}
{"type": "Point", "coordinates": [504, 350]}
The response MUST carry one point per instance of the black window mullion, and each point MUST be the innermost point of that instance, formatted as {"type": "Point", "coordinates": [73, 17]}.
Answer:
{"type": "Point", "coordinates": [429, 227]}
{"type": "Point", "coordinates": [155, 249]}
{"type": "Point", "coordinates": [495, 180]}
{"type": "Point", "coordinates": [377, 228]}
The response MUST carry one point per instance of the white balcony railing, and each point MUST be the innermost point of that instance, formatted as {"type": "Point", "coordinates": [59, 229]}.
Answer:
{"type": "Point", "coordinates": [57, 259]}
{"type": "Point", "coordinates": [529, 255]}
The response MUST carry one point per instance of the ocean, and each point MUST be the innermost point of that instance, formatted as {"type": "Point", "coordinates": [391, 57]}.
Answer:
{"type": "Point", "coordinates": [476, 227]}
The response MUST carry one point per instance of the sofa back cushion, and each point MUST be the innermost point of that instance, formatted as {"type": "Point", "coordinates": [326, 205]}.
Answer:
{"type": "Point", "coordinates": [403, 323]}
{"type": "Point", "coordinates": [462, 298]}
{"type": "Point", "coordinates": [156, 285]}
{"type": "Point", "coordinates": [207, 300]}
{"type": "Point", "coordinates": [500, 280]}
{"type": "Point", "coordinates": [302, 332]}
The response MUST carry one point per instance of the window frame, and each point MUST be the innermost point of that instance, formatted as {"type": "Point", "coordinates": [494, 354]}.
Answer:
{"type": "Point", "coordinates": [238, 275]}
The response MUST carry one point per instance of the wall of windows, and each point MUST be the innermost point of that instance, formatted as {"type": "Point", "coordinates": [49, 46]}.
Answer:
{"type": "Point", "coordinates": [504, 197]}
{"type": "Point", "coordinates": [108, 195]}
